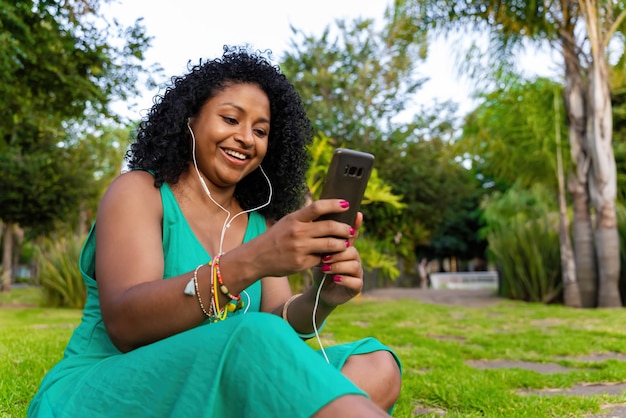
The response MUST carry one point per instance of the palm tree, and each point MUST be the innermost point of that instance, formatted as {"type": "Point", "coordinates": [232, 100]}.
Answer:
{"type": "Point", "coordinates": [580, 31]}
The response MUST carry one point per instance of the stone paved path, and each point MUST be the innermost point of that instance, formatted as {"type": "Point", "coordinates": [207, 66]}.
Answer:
{"type": "Point", "coordinates": [472, 298]}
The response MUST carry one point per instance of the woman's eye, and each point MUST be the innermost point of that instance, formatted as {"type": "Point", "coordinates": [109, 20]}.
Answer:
{"type": "Point", "coordinates": [261, 132]}
{"type": "Point", "coordinates": [231, 121]}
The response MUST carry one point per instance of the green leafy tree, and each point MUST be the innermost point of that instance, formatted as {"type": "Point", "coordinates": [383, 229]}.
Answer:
{"type": "Point", "coordinates": [441, 195]}
{"type": "Point", "coordinates": [511, 133]}
{"type": "Point", "coordinates": [358, 83]}
{"type": "Point", "coordinates": [100, 155]}
{"type": "Point", "coordinates": [459, 235]}
{"type": "Point", "coordinates": [354, 78]}
{"type": "Point", "coordinates": [61, 65]}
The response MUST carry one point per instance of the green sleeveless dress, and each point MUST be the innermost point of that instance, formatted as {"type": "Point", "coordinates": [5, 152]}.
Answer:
{"type": "Point", "coordinates": [252, 364]}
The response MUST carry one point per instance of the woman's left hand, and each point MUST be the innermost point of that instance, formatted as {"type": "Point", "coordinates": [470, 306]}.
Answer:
{"type": "Point", "coordinates": [344, 273]}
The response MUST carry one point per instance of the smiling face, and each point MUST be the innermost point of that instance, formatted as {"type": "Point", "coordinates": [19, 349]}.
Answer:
{"type": "Point", "coordinates": [231, 132]}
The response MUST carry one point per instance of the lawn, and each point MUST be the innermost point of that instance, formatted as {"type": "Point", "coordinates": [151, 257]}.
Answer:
{"type": "Point", "coordinates": [436, 343]}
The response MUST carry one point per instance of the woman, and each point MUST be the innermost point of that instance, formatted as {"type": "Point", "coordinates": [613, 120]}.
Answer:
{"type": "Point", "coordinates": [189, 311]}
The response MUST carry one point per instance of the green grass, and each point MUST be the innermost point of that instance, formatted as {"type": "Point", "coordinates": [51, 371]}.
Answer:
{"type": "Point", "coordinates": [21, 296]}
{"type": "Point", "coordinates": [31, 342]}
{"type": "Point", "coordinates": [434, 343]}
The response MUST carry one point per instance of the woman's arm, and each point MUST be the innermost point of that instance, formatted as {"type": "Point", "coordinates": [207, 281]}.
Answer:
{"type": "Point", "coordinates": [137, 304]}
{"type": "Point", "coordinates": [138, 307]}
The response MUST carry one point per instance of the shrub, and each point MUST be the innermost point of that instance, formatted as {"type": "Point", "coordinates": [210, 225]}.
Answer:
{"type": "Point", "coordinates": [59, 274]}
{"type": "Point", "coordinates": [522, 231]}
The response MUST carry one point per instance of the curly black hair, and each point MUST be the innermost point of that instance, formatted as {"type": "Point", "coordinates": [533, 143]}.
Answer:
{"type": "Point", "coordinates": [162, 143]}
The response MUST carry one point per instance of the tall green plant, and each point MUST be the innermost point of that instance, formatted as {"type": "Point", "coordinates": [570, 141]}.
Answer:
{"type": "Point", "coordinates": [522, 231]}
{"type": "Point", "coordinates": [59, 273]}
{"type": "Point", "coordinates": [528, 255]}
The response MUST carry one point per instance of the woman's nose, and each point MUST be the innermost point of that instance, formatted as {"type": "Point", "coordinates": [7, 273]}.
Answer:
{"type": "Point", "coordinates": [245, 136]}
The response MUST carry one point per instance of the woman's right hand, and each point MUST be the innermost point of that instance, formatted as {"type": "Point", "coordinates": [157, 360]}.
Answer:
{"type": "Point", "coordinates": [297, 241]}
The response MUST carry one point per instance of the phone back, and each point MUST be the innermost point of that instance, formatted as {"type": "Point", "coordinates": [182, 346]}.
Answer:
{"type": "Point", "coordinates": [347, 178]}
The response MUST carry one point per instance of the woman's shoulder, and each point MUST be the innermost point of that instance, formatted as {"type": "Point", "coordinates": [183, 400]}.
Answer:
{"type": "Point", "coordinates": [133, 181]}
{"type": "Point", "coordinates": [133, 188]}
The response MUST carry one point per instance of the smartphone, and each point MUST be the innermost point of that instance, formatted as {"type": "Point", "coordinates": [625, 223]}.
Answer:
{"type": "Point", "coordinates": [347, 177]}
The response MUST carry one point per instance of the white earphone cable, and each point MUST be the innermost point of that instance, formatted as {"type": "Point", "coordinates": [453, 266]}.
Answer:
{"type": "Point", "coordinates": [230, 220]}
{"type": "Point", "coordinates": [317, 334]}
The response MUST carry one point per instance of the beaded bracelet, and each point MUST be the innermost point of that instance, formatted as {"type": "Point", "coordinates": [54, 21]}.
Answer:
{"type": "Point", "coordinates": [197, 291]}
{"type": "Point", "coordinates": [235, 302]}
{"type": "Point", "coordinates": [222, 286]}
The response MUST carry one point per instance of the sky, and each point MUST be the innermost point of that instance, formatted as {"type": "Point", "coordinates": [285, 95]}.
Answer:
{"type": "Point", "coordinates": [185, 30]}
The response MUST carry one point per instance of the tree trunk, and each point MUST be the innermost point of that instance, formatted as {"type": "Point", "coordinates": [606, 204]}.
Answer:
{"type": "Point", "coordinates": [571, 291]}
{"type": "Point", "coordinates": [7, 257]}
{"type": "Point", "coordinates": [586, 272]}
{"type": "Point", "coordinates": [583, 232]}
{"type": "Point", "coordinates": [603, 174]}
{"type": "Point", "coordinates": [608, 258]}
{"type": "Point", "coordinates": [18, 242]}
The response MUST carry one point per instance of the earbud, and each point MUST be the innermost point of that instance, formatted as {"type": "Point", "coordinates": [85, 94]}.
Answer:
{"type": "Point", "coordinates": [189, 127]}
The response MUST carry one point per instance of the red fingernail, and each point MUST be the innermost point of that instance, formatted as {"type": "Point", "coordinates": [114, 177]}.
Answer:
{"type": "Point", "coordinates": [351, 231]}
{"type": "Point", "coordinates": [344, 204]}
{"type": "Point", "coordinates": [337, 278]}
{"type": "Point", "coordinates": [347, 243]}
{"type": "Point", "coordinates": [325, 267]}
{"type": "Point", "coordinates": [326, 257]}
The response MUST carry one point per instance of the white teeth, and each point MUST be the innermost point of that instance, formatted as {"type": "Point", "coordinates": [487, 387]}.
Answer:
{"type": "Point", "coordinates": [235, 154]}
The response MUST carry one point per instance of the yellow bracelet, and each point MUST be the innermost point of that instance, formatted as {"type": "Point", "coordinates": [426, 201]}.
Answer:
{"type": "Point", "coordinates": [286, 305]}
